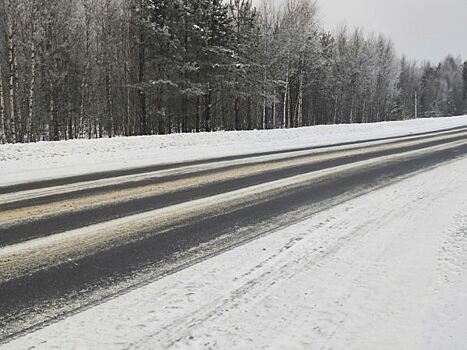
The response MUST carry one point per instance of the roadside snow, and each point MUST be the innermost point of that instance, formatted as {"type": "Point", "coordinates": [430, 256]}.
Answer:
{"type": "Point", "coordinates": [387, 270]}
{"type": "Point", "coordinates": [44, 160]}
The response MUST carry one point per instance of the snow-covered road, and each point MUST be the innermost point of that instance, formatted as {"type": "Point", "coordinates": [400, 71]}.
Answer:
{"type": "Point", "coordinates": [386, 270]}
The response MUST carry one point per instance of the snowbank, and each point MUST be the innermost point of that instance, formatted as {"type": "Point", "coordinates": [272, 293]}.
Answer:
{"type": "Point", "coordinates": [30, 162]}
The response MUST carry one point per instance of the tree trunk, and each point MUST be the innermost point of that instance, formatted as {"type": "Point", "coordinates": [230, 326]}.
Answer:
{"type": "Point", "coordinates": [32, 87]}
{"type": "Point", "coordinates": [127, 99]}
{"type": "Point", "coordinates": [364, 111]}
{"type": "Point", "coordinates": [144, 122]}
{"type": "Point", "coordinates": [185, 59]}
{"type": "Point", "coordinates": [198, 114]}
{"type": "Point", "coordinates": [18, 120]}
{"type": "Point", "coordinates": [300, 100]}
{"type": "Point", "coordinates": [70, 119]}
{"type": "Point", "coordinates": [84, 83]}
{"type": "Point", "coordinates": [53, 123]}
{"type": "Point", "coordinates": [248, 113]}
{"type": "Point", "coordinates": [109, 102]}
{"type": "Point", "coordinates": [82, 111]}
{"type": "Point", "coordinates": [224, 122]}
{"type": "Point", "coordinates": [274, 109]}
{"type": "Point", "coordinates": [2, 110]}
{"type": "Point", "coordinates": [286, 103]}
{"type": "Point", "coordinates": [237, 114]}
{"type": "Point", "coordinates": [264, 111]}
{"type": "Point", "coordinates": [11, 132]}
{"type": "Point", "coordinates": [334, 118]}
{"type": "Point", "coordinates": [185, 114]}
{"type": "Point", "coordinates": [208, 107]}
{"type": "Point", "coordinates": [142, 64]}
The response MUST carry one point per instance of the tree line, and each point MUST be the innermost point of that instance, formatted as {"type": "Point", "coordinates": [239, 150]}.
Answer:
{"type": "Point", "coordinates": [102, 68]}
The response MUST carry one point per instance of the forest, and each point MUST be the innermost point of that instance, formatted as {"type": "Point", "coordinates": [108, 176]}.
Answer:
{"type": "Point", "coordinates": [103, 68]}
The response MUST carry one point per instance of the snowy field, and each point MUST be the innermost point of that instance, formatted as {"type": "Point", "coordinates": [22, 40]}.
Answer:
{"type": "Point", "coordinates": [387, 270]}
{"type": "Point", "coordinates": [45, 160]}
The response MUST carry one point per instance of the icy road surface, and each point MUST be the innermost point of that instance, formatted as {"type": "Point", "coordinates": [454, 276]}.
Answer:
{"type": "Point", "coordinates": [387, 270]}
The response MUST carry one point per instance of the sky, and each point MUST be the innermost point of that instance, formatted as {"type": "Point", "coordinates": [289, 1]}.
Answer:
{"type": "Point", "coordinates": [421, 29]}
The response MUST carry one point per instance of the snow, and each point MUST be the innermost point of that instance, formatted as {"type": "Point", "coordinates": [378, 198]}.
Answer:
{"type": "Point", "coordinates": [31, 162]}
{"type": "Point", "coordinates": [387, 270]}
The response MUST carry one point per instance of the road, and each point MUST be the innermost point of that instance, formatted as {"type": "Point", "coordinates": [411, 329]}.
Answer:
{"type": "Point", "coordinates": [68, 244]}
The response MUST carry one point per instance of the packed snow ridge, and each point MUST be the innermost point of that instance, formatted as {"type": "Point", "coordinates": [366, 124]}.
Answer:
{"type": "Point", "coordinates": [44, 160]}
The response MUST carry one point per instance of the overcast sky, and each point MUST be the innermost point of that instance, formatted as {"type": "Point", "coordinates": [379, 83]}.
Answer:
{"type": "Point", "coordinates": [422, 29]}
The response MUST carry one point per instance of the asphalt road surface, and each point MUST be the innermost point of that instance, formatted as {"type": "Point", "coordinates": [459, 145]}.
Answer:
{"type": "Point", "coordinates": [67, 244]}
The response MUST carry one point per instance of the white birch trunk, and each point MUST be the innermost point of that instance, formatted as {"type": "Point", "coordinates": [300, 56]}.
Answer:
{"type": "Point", "coordinates": [11, 84]}
{"type": "Point", "coordinates": [32, 87]}
{"type": "Point", "coordinates": [18, 128]}
{"type": "Point", "coordinates": [286, 99]}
